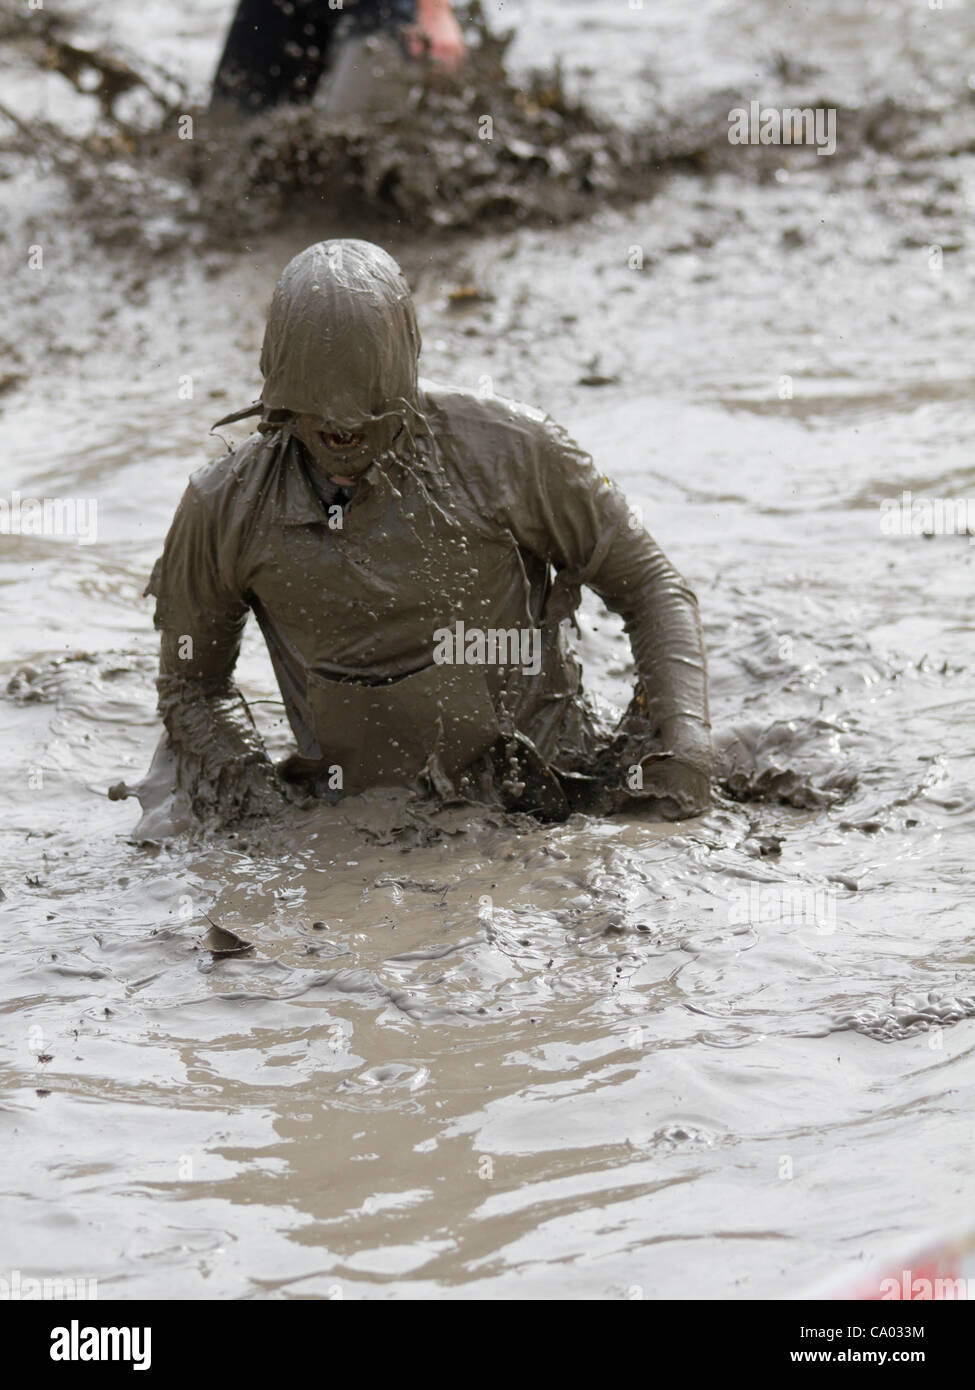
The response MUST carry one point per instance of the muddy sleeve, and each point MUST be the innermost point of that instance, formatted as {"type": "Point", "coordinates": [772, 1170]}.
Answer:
{"type": "Point", "coordinates": [201, 611]}
{"type": "Point", "coordinates": [568, 513]}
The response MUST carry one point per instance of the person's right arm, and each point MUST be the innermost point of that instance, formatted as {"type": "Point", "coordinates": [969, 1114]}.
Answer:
{"type": "Point", "coordinates": [201, 611]}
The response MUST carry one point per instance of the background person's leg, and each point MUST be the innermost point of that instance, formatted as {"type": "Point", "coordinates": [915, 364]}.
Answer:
{"type": "Point", "coordinates": [276, 51]}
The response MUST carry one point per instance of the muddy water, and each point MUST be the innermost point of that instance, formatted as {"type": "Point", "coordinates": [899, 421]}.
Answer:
{"type": "Point", "coordinates": [466, 1057]}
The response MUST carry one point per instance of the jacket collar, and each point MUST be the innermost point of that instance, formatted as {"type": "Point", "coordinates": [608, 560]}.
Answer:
{"type": "Point", "coordinates": [297, 501]}
{"type": "Point", "coordinates": [298, 504]}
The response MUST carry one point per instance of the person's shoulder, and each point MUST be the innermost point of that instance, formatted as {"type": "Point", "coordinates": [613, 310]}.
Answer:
{"type": "Point", "coordinates": [232, 474]}
{"type": "Point", "coordinates": [465, 412]}
{"type": "Point", "coordinates": [488, 426]}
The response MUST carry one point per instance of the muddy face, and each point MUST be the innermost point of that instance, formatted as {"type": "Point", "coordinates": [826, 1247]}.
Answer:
{"type": "Point", "coordinates": [345, 452]}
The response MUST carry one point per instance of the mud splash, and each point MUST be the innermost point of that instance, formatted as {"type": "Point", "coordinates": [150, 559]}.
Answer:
{"type": "Point", "coordinates": [480, 150]}
{"type": "Point", "coordinates": [483, 151]}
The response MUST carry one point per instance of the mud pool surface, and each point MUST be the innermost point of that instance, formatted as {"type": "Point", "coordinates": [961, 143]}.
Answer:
{"type": "Point", "coordinates": [467, 1058]}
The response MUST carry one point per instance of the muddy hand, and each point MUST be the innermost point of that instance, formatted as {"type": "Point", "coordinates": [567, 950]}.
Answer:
{"type": "Point", "coordinates": [675, 777]}
{"type": "Point", "coordinates": [307, 777]}
{"type": "Point", "coordinates": [244, 788]}
{"type": "Point", "coordinates": [673, 789]}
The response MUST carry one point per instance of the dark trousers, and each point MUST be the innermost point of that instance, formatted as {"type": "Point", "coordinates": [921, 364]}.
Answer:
{"type": "Point", "coordinates": [277, 50]}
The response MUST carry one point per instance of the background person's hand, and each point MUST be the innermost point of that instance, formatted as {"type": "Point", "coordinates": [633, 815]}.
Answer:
{"type": "Point", "coordinates": [437, 35]}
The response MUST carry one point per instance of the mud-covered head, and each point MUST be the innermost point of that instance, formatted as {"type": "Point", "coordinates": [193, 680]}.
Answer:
{"type": "Point", "coordinates": [340, 352]}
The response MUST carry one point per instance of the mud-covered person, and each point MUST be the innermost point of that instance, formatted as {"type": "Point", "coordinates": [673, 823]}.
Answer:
{"type": "Point", "coordinates": [410, 553]}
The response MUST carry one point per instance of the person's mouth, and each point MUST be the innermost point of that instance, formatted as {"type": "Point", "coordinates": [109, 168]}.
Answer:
{"type": "Point", "coordinates": [340, 442]}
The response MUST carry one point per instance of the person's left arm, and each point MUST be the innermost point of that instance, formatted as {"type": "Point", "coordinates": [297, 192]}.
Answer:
{"type": "Point", "coordinates": [562, 509]}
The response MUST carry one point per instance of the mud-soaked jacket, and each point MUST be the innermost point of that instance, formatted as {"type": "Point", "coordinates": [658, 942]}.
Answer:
{"type": "Point", "coordinates": [495, 522]}
{"type": "Point", "coordinates": [415, 626]}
